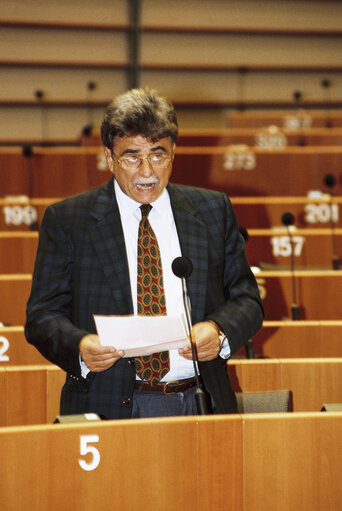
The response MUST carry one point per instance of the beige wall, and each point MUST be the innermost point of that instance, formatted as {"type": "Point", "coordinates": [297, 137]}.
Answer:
{"type": "Point", "coordinates": [78, 56]}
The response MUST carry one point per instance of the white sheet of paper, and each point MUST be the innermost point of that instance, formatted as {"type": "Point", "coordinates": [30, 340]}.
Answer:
{"type": "Point", "coordinates": [141, 335]}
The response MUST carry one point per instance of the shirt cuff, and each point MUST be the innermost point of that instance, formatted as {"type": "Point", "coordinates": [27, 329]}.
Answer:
{"type": "Point", "coordinates": [84, 369]}
{"type": "Point", "coordinates": [225, 350]}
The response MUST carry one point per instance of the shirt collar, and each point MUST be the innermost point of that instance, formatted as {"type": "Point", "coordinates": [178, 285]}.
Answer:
{"type": "Point", "coordinates": [129, 207]}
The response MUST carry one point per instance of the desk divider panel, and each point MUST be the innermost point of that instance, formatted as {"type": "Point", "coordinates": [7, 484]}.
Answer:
{"type": "Point", "coordinates": [317, 294]}
{"type": "Point", "coordinates": [312, 382]}
{"type": "Point", "coordinates": [31, 394]}
{"type": "Point", "coordinates": [15, 350]}
{"type": "Point", "coordinates": [292, 461]}
{"type": "Point", "coordinates": [125, 464]}
{"type": "Point", "coordinates": [14, 292]}
{"type": "Point", "coordinates": [298, 339]}
{"type": "Point", "coordinates": [243, 462]}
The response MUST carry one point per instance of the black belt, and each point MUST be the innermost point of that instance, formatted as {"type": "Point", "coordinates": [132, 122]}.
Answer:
{"type": "Point", "coordinates": [168, 387]}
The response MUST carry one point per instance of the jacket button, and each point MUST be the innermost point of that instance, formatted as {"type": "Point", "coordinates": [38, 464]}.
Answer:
{"type": "Point", "coordinates": [126, 400]}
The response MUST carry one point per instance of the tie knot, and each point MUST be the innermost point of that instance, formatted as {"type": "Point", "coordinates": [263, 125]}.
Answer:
{"type": "Point", "coordinates": [145, 209]}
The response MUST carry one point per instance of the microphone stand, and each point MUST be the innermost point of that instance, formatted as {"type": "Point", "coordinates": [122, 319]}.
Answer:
{"type": "Point", "coordinates": [200, 396]}
{"type": "Point", "coordinates": [325, 83]}
{"type": "Point", "coordinates": [294, 306]}
{"type": "Point", "coordinates": [43, 125]}
{"type": "Point", "coordinates": [27, 152]}
{"type": "Point", "coordinates": [329, 181]}
{"type": "Point", "coordinates": [335, 258]}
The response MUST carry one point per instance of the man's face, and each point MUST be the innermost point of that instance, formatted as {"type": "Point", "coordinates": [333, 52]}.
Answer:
{"type": "Point", "coordinates": [145, 183]}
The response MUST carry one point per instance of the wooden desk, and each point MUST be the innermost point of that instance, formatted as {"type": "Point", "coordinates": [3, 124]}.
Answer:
{"type": "Point", "coordinates": [14, 291]}
{"type": "Point", "coordinates": [313, 381]}
{"type": "Point", "coordinates": [17, 251]}
{"type": "Point", "coordinates": [295, 119]}
{"type": "Point", "coordinates": [252, 136]}
{"type": "Point", "coordinates": [23, 214]}
{"type": "Point", "coordinates": [266, 212]}
{"type": "Point", "coordinates": [276, 339]}
{"type": "Point", "coordinates": [250, 172]}
{"type": "Point", "coordinates": [317, 294]}
{"type": "Point", "coordinates": [30, 394]}
{"type": "Point", "coordinates": [259, 137]}
{"type": "Point", "coordinates": [311, 247]}
{"type": "Point", "coordinates": [298, 339]}
{"type": "Point", "coordinates": [51, 172]}
{"type": "Point", "coordinates": [252, 212]}
{"type": "Point", "coordinates": [274, 461]}
{"type": "Point", "coordinates": [291, 171]}
{"type": "Point", "coordinates": [284, 460]}
{"type": "Point", "coordinates": [15, 350]}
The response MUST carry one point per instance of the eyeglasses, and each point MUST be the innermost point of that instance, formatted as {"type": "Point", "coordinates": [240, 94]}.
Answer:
{"type": "Point", "coordinates": [156, 160]}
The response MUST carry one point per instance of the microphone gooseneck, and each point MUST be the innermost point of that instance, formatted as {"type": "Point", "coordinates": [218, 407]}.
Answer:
{"type": "Point", "coordinates": [27, 152]}
{"type": "Point", "coordinates": [326, 84]}
{"type": "Point", "coordinates": [287, 220]}
{"type": "Point", "coordinates": [330, 181]}
{"type": "Point", "coordinates": [182, 267]}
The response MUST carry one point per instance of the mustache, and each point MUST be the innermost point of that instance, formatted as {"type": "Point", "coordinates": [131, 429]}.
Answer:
{"type": "Point", "coordinates": [151, 181]}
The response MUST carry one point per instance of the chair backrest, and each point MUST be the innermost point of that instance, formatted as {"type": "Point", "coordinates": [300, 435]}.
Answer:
{"type": "Point", "coordinates": [264, 402]}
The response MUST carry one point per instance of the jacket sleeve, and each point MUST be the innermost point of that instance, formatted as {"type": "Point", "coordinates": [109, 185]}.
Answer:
{"type": "Point", "coordinates": [241, 316]}
{"type": "Point", "coordinates": [49, 310]}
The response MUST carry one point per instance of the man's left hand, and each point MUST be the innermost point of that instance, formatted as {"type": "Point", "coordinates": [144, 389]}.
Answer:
{"type": "Point", "coordinates": [206, 341]}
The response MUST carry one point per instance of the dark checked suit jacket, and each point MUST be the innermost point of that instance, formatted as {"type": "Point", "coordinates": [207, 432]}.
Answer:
{"type": "Point", "coordinates": [81, 269]}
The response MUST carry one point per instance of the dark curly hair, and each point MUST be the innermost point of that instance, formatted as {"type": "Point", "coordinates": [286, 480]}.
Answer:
{"type": "Point", "coordinates": [139, 112]}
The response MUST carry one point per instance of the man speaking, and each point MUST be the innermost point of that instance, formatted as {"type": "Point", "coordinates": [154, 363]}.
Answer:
{"type": "Point", "coordinates": [109, 251]}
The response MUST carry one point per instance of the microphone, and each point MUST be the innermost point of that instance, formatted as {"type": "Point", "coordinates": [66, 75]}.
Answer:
{"type": "Point", "coordinates": [330, 181]}
{"type": "Point", "coordinates": [182, 267]}
{"type": "Point", "coordinates": [91, 86]}
{"type": "Point", "coordinates": [27, 152]}
{"type": "Point", "coordinates": [287, 220]}
{"type": "Point", "coordinates": [297, 95]}
{"type": "Point", "coordinates": [40, 96]}
{"type": "Point", "coordinates": [326, 84]}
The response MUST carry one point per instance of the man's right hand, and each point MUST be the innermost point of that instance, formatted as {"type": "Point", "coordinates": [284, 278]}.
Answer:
{"type": "Point", "coordinates": [97, 357]}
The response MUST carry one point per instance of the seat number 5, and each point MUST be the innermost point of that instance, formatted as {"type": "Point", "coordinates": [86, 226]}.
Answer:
{"type": "Point", "coordinates": [86, 448]}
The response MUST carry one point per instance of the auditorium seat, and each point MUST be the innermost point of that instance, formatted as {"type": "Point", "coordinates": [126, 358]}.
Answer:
{"type": "Point", "coordinates": [264, 402]}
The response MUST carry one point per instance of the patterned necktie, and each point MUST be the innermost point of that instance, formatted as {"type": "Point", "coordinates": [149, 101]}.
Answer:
{"type": "Point", "coordinates": [151, 296]}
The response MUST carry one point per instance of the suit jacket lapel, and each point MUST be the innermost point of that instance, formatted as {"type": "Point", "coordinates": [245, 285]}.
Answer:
{"type": "Point", "coordinates": [108, 239]}
{"type": "Point", "coordinates": [193, 239]}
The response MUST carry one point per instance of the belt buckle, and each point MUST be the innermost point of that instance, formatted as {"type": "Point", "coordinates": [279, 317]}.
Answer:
{"type": "Point", "coordinates": [166, 384]}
